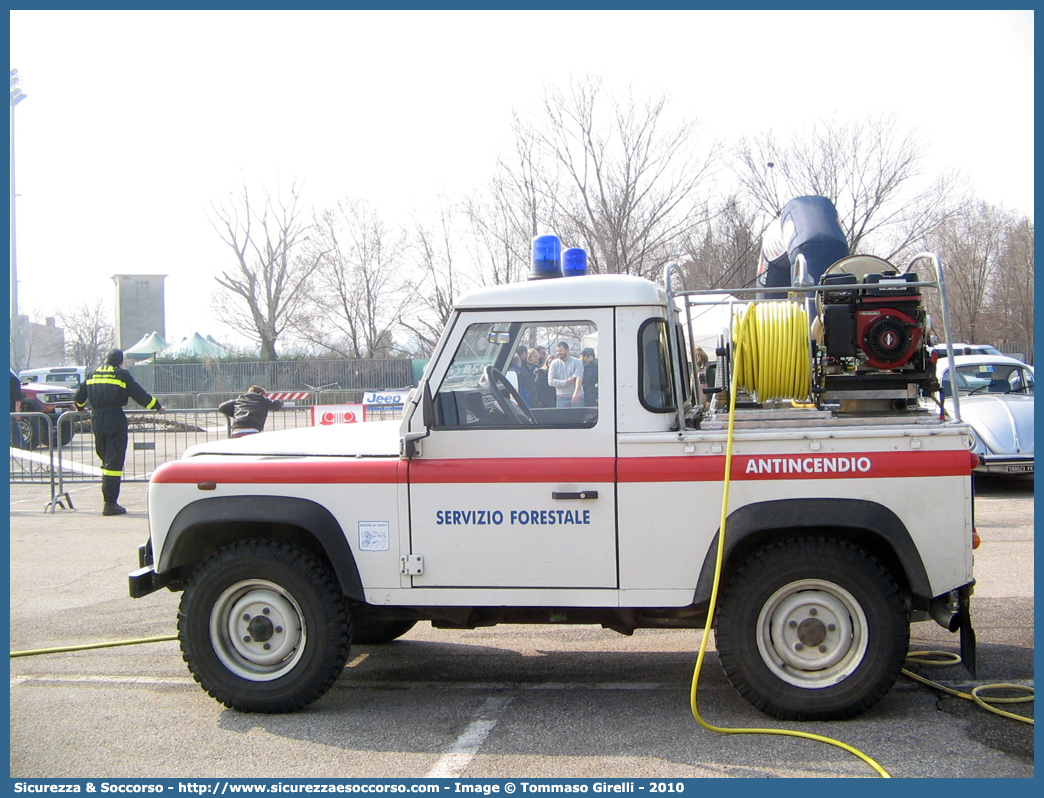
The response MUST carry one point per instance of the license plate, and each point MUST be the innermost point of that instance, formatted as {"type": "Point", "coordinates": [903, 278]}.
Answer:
{"type": "Point", "coordinates": [1019, 469]}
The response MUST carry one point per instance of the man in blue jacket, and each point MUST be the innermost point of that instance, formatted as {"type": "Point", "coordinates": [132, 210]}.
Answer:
{"type": "Point", "coordinates": [107, 389]}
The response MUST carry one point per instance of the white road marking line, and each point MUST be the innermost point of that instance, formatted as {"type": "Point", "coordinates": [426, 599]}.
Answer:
{"type": "Point", "coordinates": [455, 761]}
{"type": "Point", "coordinates": [63, 463]}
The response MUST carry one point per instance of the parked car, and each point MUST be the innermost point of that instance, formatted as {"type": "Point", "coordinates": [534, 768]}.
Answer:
{"type": "Point", "coordinates": [939, 350]}
{"type": "Point", "coordinates": [69, 376]}
{"type": "Point", "coordinates": [996, 398]}
{"type": "Point", "coordinates": [52, 399]}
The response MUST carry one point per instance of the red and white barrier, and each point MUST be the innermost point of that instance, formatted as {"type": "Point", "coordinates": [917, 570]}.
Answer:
{"type": "Point", "coordinates": [289, 396]}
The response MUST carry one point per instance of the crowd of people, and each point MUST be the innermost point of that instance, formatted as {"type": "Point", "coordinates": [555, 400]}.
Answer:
{"type": "Point", "coordinates": [557, 379]}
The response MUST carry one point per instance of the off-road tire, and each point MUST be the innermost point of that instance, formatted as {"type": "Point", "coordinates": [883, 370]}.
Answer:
{"type": "Point", "coordinates": [812, 628]}
{"type": "Point", "coordinates": [264, 592]}
{"type": "Point", "coordinates": [65, 431]}
{"type": "Point", "coordinates": [34, 431]}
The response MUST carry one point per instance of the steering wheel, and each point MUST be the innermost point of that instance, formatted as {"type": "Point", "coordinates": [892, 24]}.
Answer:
{"type": "Point", "coordinates": [520, 411]}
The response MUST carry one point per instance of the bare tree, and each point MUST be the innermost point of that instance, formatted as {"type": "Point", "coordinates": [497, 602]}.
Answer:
{"type": "Point", "coordinates": [612, 175]}
{"type": "Point", "coordinates": [89, 334]}
{"type": "Point", "coordinates": [970, 244]}
{"type": "Point", "coordinates": [870, 170]}
{"type": "Point", "coordinates": [269, 283]}
{"type": "Point", "coordinates": [1010, 322]}
{"type": "Point", "coordinates": [439, 277]}
{"type": "Point", "coordinates": [723, 251]}
{"type": "Point", "coordinates": [359, 290]}
{"type": "Point", "coordinates": [515, 206]}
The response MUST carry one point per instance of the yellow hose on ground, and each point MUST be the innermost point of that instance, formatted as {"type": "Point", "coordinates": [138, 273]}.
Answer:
{"type": "Point", "coordinates": [89, 646]}
{"type": "Point", "coordinates": [760, 381]}
{"type": "Point", "coordinates": [949, 658]}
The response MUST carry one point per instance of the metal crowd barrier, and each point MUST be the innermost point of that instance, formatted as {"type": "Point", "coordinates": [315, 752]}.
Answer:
{"type": "Point", "coordinates": [60, 453]}
{"type": "Point", "coordinates": [33, 454]}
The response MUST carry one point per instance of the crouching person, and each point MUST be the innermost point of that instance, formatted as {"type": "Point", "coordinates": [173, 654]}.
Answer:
{"type": "Point", "coordinates": [249, 411]}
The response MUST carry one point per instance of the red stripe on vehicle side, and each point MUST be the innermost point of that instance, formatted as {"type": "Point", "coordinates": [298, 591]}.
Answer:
{"type": "Point", "coordinates": [515, 469]}
{"type": "Point", "coordinates": [485, 471]}
{"type": "Point", "coordinates": [855, 465]}
{"type": "Point", "coordinates": [297, 472]}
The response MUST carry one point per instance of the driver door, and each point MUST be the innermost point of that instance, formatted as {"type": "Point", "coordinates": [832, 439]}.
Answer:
{"type": "Point", "coordinates": [516, 497]}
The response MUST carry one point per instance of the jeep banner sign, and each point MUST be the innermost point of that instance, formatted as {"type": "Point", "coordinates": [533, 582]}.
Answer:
{"type": "Point", "coordinates": [325, 415]}
{"type": "Point", "coordinates": [386, 398]}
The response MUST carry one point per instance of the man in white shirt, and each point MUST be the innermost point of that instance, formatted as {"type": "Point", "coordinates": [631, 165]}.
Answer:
{"type": "Point", "coordinates": [566, 376]}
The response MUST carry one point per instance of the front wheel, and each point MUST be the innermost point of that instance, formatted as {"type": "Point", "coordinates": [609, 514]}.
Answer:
{"type": "Point", "coordinates": [812, 629]}
{"type": "Point", "coordinates": [263, 626]}
{"type": "Point", "coordinates": [30, 429]}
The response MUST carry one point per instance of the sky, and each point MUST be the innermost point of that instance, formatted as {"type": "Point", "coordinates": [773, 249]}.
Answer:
{"type": "Point", "coordinates": [137, 124]}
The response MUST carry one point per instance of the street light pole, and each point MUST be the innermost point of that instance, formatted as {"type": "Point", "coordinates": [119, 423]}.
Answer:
{"type": "Point", "coordinates": [17, 95]}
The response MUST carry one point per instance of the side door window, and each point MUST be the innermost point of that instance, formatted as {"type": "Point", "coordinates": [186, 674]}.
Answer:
{"type": "Point", "coordinates": [656, 386]}
{"type": "Point", "coordinates": [518, 374]}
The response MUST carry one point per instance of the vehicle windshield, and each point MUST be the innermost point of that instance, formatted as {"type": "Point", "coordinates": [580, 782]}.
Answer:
{"type": "Point", "coordinates": [992, 378]}
{"type": "Point", "coordinates": [483, 345]}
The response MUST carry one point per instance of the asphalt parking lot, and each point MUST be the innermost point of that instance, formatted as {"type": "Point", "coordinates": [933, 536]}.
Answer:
{"type": "Point", "coordinates": [498, 702]}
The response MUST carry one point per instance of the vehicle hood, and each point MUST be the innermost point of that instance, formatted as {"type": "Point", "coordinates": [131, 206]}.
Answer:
{"type": "Point", "coordinates": [48, 387]}
{"type": "Point", "coordinates": [369, 439]}
{"type": "Point", "coordinates": [1004, 423]}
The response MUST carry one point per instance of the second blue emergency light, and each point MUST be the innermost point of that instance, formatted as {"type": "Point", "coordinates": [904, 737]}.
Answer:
{"type": "Point", "coordinates": [574, 262]}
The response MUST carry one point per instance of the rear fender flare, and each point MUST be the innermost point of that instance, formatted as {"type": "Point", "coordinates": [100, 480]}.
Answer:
{"type": "Point", "coordinates": [865, 523]}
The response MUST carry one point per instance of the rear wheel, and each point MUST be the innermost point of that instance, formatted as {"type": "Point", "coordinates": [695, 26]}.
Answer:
{"type": "Point", "coordinates": [812, 629]}
{"type": "Point", "coordinates": [63, 432]}
{"type": "Point", "coordinates": [263, 626]}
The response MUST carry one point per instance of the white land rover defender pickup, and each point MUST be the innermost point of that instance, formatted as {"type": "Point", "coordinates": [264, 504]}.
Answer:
{"type": "Point", "coordinates": [849, 516]}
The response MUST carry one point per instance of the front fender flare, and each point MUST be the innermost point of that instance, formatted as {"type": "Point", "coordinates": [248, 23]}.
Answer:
{"type": "Point", "coordinates": [181, 547]}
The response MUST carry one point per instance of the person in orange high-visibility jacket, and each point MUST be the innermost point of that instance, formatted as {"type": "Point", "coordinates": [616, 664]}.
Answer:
{"type": "Point", "coordinates": [107, 389]}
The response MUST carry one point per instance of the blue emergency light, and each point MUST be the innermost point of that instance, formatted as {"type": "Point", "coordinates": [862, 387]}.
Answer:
{"type": "Point", "coordinates": [574, 262]}
{"type": "Point", "coordinates": [547, 258]}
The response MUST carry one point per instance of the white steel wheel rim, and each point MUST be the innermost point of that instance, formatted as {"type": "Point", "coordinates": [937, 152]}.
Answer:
{"type": "Point", "coordinates": [257, 630]}
{"type": "Point", "coordinates": [812, 634]}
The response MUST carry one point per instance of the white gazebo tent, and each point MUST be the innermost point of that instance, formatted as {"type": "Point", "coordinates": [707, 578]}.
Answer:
{"type": "Point", "coordinates": [195, 345]}
{"type": "Point", "coordinates": [148, 346]}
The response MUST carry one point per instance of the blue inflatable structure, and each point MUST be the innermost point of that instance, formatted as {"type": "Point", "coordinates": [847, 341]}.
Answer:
{"type": "Point", "coordinates": [808, 226]}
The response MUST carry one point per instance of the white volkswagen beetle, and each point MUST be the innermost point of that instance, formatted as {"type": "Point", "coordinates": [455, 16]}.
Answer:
{"type": "Point", "coordinates": [996, 400]}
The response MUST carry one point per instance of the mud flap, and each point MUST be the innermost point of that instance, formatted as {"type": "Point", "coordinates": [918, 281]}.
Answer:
{"type": "Point", "coordinates": [967, 633]}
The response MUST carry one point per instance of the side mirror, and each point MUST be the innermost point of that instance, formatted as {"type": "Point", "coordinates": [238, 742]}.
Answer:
{"type": "Point", "coordinates": [427, 408]}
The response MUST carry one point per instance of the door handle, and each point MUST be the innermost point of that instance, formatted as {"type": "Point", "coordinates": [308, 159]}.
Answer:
{"type": "Point", "coordinates": [583, 494]}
